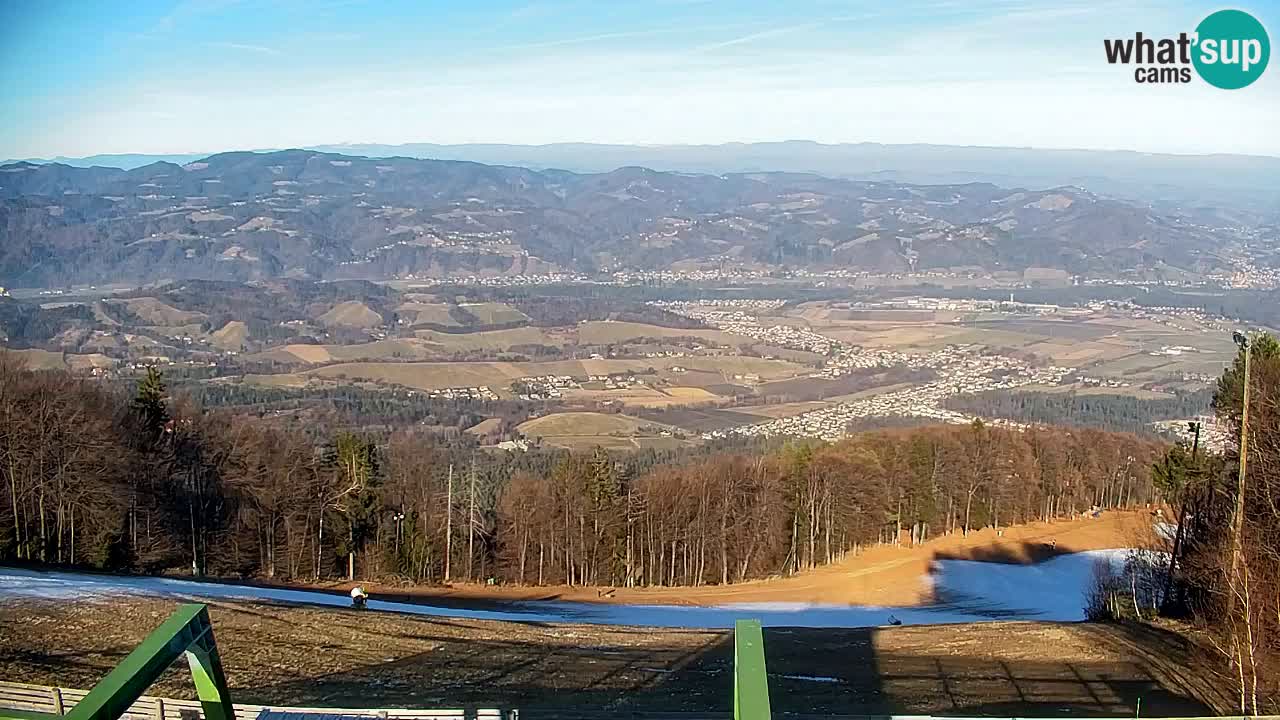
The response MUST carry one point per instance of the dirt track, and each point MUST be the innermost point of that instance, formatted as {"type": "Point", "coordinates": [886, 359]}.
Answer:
{"type": "Point", "coordinates": [877, 576]}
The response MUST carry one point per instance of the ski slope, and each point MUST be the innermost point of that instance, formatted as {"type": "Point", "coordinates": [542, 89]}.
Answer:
{"type": "Point", "coordinates": [968, 591]}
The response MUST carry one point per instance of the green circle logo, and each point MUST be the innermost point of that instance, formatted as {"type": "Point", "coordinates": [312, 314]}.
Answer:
{"type": "Point", "coordinates": [1232, 49]}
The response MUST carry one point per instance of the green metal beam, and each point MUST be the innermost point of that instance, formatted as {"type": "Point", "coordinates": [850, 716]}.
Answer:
{"type": "Point", "coordinates": [750, 678]}
{"type": "Point", "coordinates": [188, 631]}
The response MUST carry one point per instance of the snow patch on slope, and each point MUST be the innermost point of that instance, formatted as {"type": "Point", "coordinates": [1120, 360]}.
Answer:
{"type": "Point", "coordinates": [968, 591]}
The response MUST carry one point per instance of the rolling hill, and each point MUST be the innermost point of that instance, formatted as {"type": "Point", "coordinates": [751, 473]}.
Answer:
{"type": "Point", "coordinates": [304, 214]}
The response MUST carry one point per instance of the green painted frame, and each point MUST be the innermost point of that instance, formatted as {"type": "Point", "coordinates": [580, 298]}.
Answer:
{"type": "Point", "coordinates": [750, 678]}
{"type": "Point", "coordinates": [187, 631]}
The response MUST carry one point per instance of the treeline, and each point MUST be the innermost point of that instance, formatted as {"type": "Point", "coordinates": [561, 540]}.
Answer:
{"type": "Point", "coordinates": [1225, 572]}
{"type": "Point", "coordinates": [151, 483]}
{"type": "Point", "coordinates": [356, 406]}
{"type": "Point", "coordinates": [1122, 413]}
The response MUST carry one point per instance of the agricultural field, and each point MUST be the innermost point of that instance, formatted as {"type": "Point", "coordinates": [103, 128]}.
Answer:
{"type": "Point", "coordinates": [584, 431]}
{"type": "Point", "coordinates": [646, 396]}
{"type": "Point", "coordinates": [612, 332]}
{"type": "Point", "coordinates": [424, 345]}
{"type": "Point", "coordinates": [699, 420]}
{"type": "Point", "coordinates": [437, 375]}
{"type": "Point", "coordinates": [351, 314]}
{"type": "Point", "coordinates": [493, 313]}
{"type": "Point", "coordinates": [708, 380]}
{"type": "Point", "coordinates": [417, 313]}
{"type": "Point", "coordinates": [588, 423]}
{"type": "Point", "coordinates": [1105, 343]}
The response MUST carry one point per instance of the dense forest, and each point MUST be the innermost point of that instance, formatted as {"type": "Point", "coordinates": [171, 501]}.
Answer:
{"type": "Point", "coordinates": [149, 482]}
{"type": "Point", "coordinates": [356, 406]}
{"type": "Point", "coordinates": [1122, 413]}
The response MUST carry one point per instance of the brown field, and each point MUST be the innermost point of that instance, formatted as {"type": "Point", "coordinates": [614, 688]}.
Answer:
{"type": "Point", "coordinates": [589, 443]}
{"type": "Point", "coordinates": [781, 410]}
{"type": "Point", "coordinates": [494, 313]}
{"type": "Point", "coordinates": [647, 397]}
{"type": "Point", "coordinates": [921, 338]}
{"type": "Point", "coordinates": [869, 392]}
{"type": "Point", "coordinates": [351, 314]}
{"type": "Point", "coordinates": [427, 314]}
{"type": "Point", "coordinates": [289, 380]}
{"type": "Point", "coordinates": [154, 312]}
{"type": "Point", "coordinates": [589, 423]}
{"type": "Point", "coordinates": [426, 345]}
{"type": "Point", "coordinates": [230, 336]}
{"type": "Point", "coordinates": [88, 361]}
{"type": "Point", "coordinates": [429, 376]}
{"type": "Point", "coordinates": [36, 359]}
{"type": "Point", "coordinates": [703, 419]}
{"type": "Point", "coordinates": [607, 332]}
{"type": "Point", "coordinates": [1079, 354]}
{"type": "Point", "coordinates": [495, 340]}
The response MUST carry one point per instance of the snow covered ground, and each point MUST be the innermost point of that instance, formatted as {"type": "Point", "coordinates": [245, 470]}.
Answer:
{"type": "Point", "coordinates": [968, 591]}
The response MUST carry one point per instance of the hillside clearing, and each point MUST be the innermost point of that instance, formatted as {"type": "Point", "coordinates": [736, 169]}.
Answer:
{"type": "Point", "coordinates": [589, 423]}
{"type": "Point", "coordinates": [351, 314]}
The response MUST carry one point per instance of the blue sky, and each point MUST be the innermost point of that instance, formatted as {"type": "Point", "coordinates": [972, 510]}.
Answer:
{"type": "Point", "coordinates": [80, 78]}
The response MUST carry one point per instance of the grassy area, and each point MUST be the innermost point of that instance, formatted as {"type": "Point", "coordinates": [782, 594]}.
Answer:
{"type": "Point", "coordinates": [610, 332]}
{"type": "Point", "coordinates": [494, 313]}
{"type": "Point", "coordinates": [589, 423]}
{"type": "Point", "coordinates": [433, 375]}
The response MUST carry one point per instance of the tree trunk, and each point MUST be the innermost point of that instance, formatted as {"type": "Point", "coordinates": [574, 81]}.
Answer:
{"type": "Point", "coordinates": [448, 526]}
{"type": "Point", "coordinates": [968, 505]}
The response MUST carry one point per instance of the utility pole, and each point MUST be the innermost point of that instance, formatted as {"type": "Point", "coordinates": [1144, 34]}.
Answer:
{"type": "Point", "coordinates": [448, 524]}
{"type": "Point", "coordinates": [1237, 530]}
{"type": "Point", "coordinates": [471, 519]}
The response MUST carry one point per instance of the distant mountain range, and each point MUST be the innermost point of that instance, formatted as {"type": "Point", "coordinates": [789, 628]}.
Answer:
{"type": "Point", "coordinates": [1189, 183]}
{"type": "Point", "coordinates": [309, 214]}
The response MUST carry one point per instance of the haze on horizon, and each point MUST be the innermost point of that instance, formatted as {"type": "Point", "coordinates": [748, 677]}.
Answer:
{"type": "Point", "coordinates": [211, 75]}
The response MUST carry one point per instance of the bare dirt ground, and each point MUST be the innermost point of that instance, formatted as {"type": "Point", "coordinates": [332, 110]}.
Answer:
{"type": "Point", "coordinates": [338, 657]}
{"type": "Point", "coordinates": [877, 576]}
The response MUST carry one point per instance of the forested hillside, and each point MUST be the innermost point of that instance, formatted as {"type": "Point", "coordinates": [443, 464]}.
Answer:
{"type": "Point", "coordinates": [304, 214]}
{"type": "Point", "coordinates": [152, 483]}
{"type": "Point", "coordinates": [1227, 546]}
{"type": "Point", "coordinates": [1124, 413]}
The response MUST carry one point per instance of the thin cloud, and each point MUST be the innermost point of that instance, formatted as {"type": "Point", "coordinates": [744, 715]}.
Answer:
{"type": "Point", "coordinates": [589, 39]}
{"type": "Point", "coordinates": [619, 35]}
{"type": "Point", "coordinates": [260, 49]}
{"type": "Point", "coordinates": [763, 34]}
{"type": "Point", "coordinates": [188, 9]}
